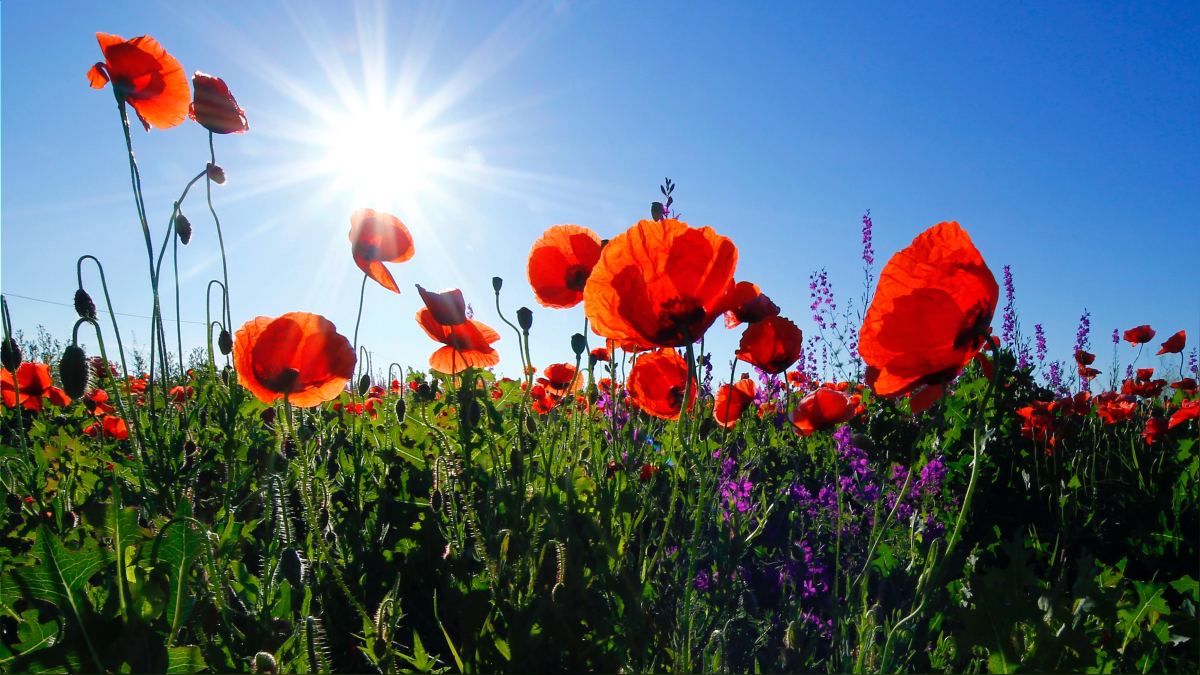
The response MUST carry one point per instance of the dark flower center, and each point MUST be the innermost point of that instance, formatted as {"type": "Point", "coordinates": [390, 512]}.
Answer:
{"type": "Point", "coordinates": [577, 276]}
{"type": "Point", "coordinates": [681, 318]}
{"type": "Point", "coordinates": [284, 382]}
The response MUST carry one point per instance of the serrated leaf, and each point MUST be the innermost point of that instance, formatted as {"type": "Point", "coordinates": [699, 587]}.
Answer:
{"type": "Point", "coordinates": [1187, 586]}
{"type": "Point", "coordinates": [185, 660]}
{"type": "Point", "coordinates": [177, 547]}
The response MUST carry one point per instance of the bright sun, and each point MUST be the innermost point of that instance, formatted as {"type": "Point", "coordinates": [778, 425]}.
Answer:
{"type": "Point", "coordinates": [378, 155]}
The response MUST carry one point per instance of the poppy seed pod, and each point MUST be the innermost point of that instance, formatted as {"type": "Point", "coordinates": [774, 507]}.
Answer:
{"type": "Point", "coordinates": [84, 307]}
{"type": "Point", "coordinates": [525, 318]}
{"type": "Point", "coordinates": [657, 210]}
{"type": "Point", "coordinates": [364, 383]}
{"type": "Point", "coordinates": [401, 409]}
{"type": "Point", "coordinates": [73, 371]}
{"type": "Point", "coordinates": [497, 284]}
{"type": "Point", "coordinates": [183, 227]}
{"type": "Point", "coordinates": [578, 344]}
{"type": "Point", "coordinates": [225, 342]}
{"type": "Point", "coordinates": [216, 174]}
{"type": "Point", "coordinates": [10, 354]}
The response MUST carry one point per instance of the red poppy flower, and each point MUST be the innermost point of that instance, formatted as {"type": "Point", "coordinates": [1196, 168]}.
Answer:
{"type": "Point", "coordinates": [1155, 427]}
{"type": "Point", "coordinates": [35, 384]}
{"type": "Point", "coordinates": [145, 76]}
{"type": "Point", "coordinates": [660, 283]}
{"type": "Point", "coordinates": [1187, 384]}
{"type": "Point", "coordinates": [930, 315]}
{"type": "Point", "coordinates": [114, 427]}
{"type": "Point", "coordinates": [1174, 344]}
{"type": "Point", "coordinates": [560, 263]}
{"type": "Point", "coordinates": [448, 307]}
{"type": "Point", "coordinates": [748, 304]}
{"type": "Point", "coordinates": [1144, 374]}
{"type": "Point", "coordinates": [299, 355]}
{"type": "Point", "coordinates": [97, 403]}
{"type": "Point", "coordinates": [1084, 358]}
{"type": "Point", "coordinates": [1139, 335]}
{"type": "Point", "coordinates": [732, 401]}
{"type": "Point", "coordinates": [376, 238]}
{"type": "Point", "coordinates": [601, 354]}
{"type": "Point", "coordinates": [1188, 410]}
{"type": "Point", "coordinates": [772, 344]}
{"type": "Point", "coordinates": [468, 345]}
{"type": "Point", "coordinates": [1040, 424]}
{"type": "Point", "coordinates": [657, 381]}
{"type": "Point", "coordinates": [214, 106]}
{"type": "Point", "coordinates": [823, 409]}
{"type": "Point", "coordinates": [1115, 408]}
{"type": "Point", "coordinates": [561, 379]}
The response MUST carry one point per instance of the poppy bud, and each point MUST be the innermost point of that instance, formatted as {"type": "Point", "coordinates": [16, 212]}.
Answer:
{"type": "Point", "coordinates": [268, 417]}
{"type": "Point", "coordinates": [292, 567]}
{"type": "Point", "coordinates": [578, 344]}
{"type": "Point", "coordinates": [73, 370]}
{"type": "Point", "coordinates": [10, 354]}
{"type": "Point", "coordinates": [225, 342]}
{"type": "Point", "coordinates": [264, 662]}
{"type": "Point", "coordinates": [657, 210]}
{"type": "Point", "coordinates": [183, 227]}
{"type": "Point", "coordinates": [497, 283]}
{"type": "Point", "coordinates": [524, 318]}
{"type": "Point", "coordinates": [401, 409]}
{"type": "Point", "coordinates": [84, 307]}
{"type": "Point", "coordinates": [364, 383]}
{"type": "Point", "coordinates": [216, 174]}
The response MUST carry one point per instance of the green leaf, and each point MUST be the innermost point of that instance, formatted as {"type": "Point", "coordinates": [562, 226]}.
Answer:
{"type": "Point", "coordinates": [1187, 586]}
{"type": "Point", "coordinates": [185, 660]}
{"type": "Point", "coordinates": [999, 663]}
{"type": "Point", "coordinates": [177, 547]}
{"type": "Point", "coordinates": [122, 527]}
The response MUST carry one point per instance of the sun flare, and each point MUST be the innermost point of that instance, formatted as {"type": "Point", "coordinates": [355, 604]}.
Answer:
{"type": "Point", "coordinates": [379, 155]}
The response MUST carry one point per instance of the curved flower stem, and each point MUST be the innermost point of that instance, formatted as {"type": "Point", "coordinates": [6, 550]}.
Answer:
{"type": "Point", "coordinates": [362, 292]}
{"type": "Point", "coordinates": [108, 302]}
{"type": "Point", "coordinates": [520, 352]}
{"type": "Point", "coordinates": [139, 442]}
{"type": "Point", "coordinates": [178, 323]}
{"type": "Point", "coordinates": [208, 317]}
{"type": "Point", "coordinates": [6, 320]}
{"type": "Point", "coordinates": [212, 154]}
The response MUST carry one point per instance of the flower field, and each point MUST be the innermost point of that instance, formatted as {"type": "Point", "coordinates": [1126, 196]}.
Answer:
{"type": "Point", "coordinates": [919, 486]}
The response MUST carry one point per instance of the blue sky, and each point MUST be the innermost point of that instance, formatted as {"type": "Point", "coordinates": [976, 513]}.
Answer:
{"type": "Point", "coordinates": [1063, 138]}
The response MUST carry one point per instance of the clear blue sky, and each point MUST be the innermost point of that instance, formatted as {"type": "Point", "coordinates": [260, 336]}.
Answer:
{"type": "Point", "coordinates": [1065, 139]}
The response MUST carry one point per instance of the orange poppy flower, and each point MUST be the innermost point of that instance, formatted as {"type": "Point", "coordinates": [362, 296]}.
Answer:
{"type": "Point", "coordinates": [561, 379]}
{"type": "Point", "coordinates": [930, 315]}
{"type": "Point", "coordinates": [1139, 335]}
{"type": "Point", "coordinates": [376, 238]}
{"type": "Point", "coordinates": [214, 106]}
{"type": "Point", "coordinates": [601, 354]}
{"type": "Point", "coordinates": [732, 401]}
{"type": "Point", "coordinates": [36, 385]}
{"type": "Point", "coordinates": [748, 304]}
{"type": "Point", "coordinates": [660, 283]}
{"type": "Point", "coordinates": [822, 409]}
{"type": "Point", "coordinates": [448, 307]}
{"type": "Point", "coordinates": [772, 344]}
{"type": "Point", "coordinates": [468, 345]}
{"type": "Point", "coordinates": [299, 355]}
{"type": "Point", "coordinates": [657, 381]}
{"type": "Point", "coordinates": [560, 263]}
{"type": "Point", "coordinates": [1174, 344]}
{"type": "Point", "coordinates": [145, 76]}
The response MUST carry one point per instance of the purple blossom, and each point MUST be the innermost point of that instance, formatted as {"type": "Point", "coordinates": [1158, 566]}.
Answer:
{"type": "Point", "coordinates": [1083, 338]}
{"type": "Point", "coordinates": [1040, 335]}
{"type": "Point", "coordinates": [1192, 361]}
{"type": "Point", "coordinates": [868, 250]}
{"type": "Point", "coordinates": [933, 475]}
{"type": "Point", "coordinates": [1116, 338]}
{"type": "Point", "coordinates": [1009, 328]}
{"type": "Point", "coordinates": [703, 581]}
{"type": "Point", "coordinates": [1054, 378]}
{"type": "Point", "coordinates": [470, 311]}
{"type": "Point", "coordinates": [821, 292]}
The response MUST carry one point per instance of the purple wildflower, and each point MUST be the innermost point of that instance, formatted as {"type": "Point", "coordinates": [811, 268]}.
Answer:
{"type": "Point", "coordinates": [1040, 335]}
{"type": "Point", "coordinates": [1192, 361]}
{"type": "Point", "coordinates": [1116, 338]}
{"type": "Point", "coordinates": [1083, 338]}
{"type": "Point", "coordinates": [821, 292]}
{"type": "Point", "coordinates": [868, 250]}
{"type": "Point", "coordinates": [1009, 328]}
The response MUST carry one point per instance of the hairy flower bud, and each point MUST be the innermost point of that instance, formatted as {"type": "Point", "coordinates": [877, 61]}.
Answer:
{"type": "Point", "coordinates": [264, 662]}
{"type": "Point", "coordinates": [10, 354]}
{"type": "Point", "coordinates": [225, 342]}
{"type": "Point", "coordinates": [73, 371]}
{"type": "Point", "coordinates": [84, 307]}
{"type": "Point", "coordinates": [293, 567]}
{"type": "Point", "coordinates": [183, 227]}
{"type": "Point", "coordinates": [401, 409]}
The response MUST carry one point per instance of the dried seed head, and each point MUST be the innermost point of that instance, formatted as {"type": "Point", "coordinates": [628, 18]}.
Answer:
{"type": "Point", "coordinates": [84, 307]}
{"type": "Point", "coordinates": [183, 227]}
{"type": "Point", "coordinates": [216, 174]}
{"type": "Point", "coordinates": [73, 370]}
